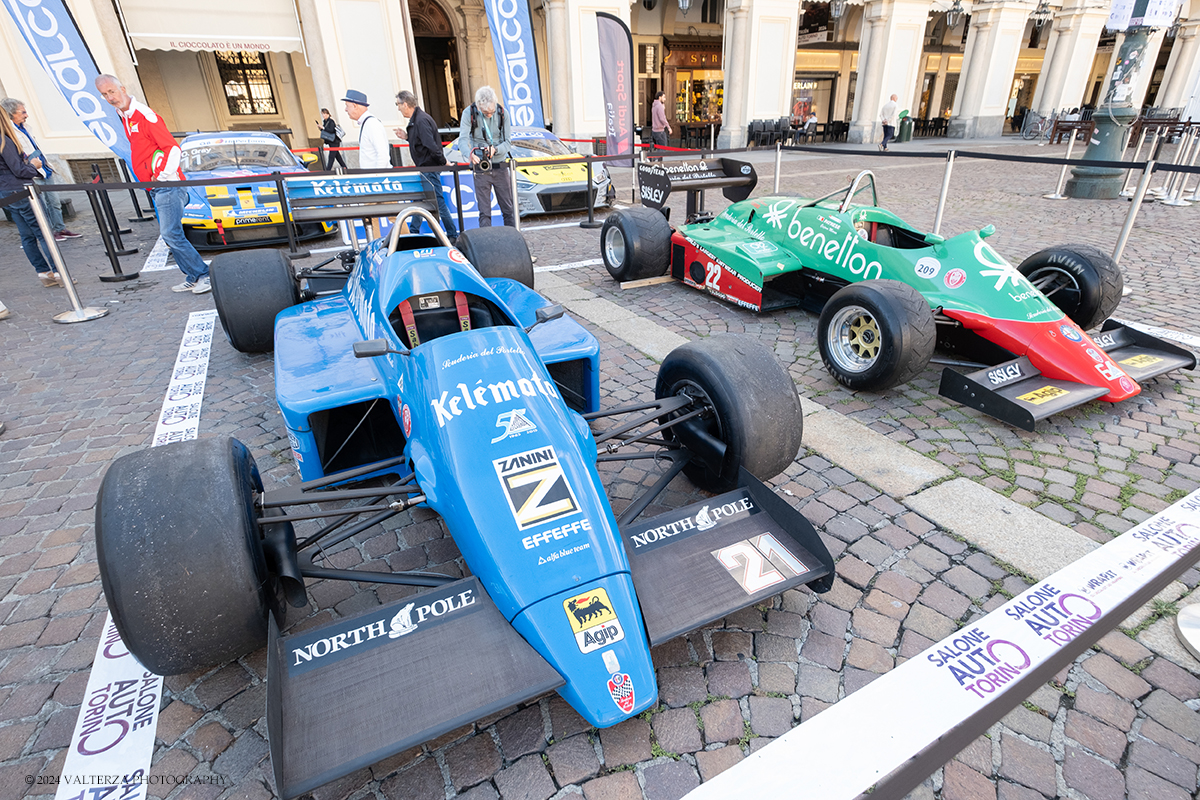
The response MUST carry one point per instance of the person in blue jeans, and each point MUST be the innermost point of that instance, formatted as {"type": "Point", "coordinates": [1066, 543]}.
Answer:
{"type": "Point", "coordinates": [155, 156]}
{"type": "Point", "coordinates": [425, 146]}
{"type": "Point", "coordinates": [15, 173]}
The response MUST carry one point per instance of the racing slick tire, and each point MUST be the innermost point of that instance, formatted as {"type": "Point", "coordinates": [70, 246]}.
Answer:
{"type": "Point", "coordinates": [249, 289]}
{"type": "Point", "coordinates": [635, 244]}
{"type": "Point", "coordinates": [498, 252]}
{"type": "Point", "coordinates": [876, 334]}
{"type": "Point", "coordinates": [1080, 279]}
{"type": "Point", "coordinates": [180, 556]}
{"type": "Point", "coordinates": [752, 409]}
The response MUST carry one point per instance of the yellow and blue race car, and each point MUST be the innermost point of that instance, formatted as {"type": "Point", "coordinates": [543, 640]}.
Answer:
{"type": "Point", "coordinates": [219, 217]}
{"type": "Point", "coordinates": [548, 188]}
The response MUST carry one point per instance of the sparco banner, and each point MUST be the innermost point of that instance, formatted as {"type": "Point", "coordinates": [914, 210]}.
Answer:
{"type": "Point", "coordinates": [512, 39]}
{"type": "Point", "coordinates": [616, 74]}
{"type": "Point", "coordinates": [58, 46]}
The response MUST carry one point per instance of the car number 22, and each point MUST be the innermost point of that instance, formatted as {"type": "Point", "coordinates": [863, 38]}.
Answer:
{"type": "Point", "coordinates": [759, 562]}
{"type": "Point", "coordinates": [712, 276]}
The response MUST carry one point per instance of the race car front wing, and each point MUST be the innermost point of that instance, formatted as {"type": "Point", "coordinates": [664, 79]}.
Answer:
{"type": "Point", "coordinates": [345, 695]}
{"type": "Point", "coordinates": [1018, 393]}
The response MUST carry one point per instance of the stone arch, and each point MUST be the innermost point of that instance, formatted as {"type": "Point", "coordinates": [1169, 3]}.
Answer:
{"type": "Point", "coordinates": [437, 36]}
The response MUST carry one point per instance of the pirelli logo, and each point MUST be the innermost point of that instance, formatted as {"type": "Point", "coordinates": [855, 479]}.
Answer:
{"type": "Point", "coordinates": [535, 487]}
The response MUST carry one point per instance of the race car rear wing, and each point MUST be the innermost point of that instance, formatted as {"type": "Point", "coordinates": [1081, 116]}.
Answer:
{"type": "Point", "coordinates": [352, 197]}
{"type": "Point", "coordinates": [657, 179]}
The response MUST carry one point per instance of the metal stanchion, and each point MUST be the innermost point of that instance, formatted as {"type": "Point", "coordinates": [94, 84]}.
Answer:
{"type": "Point", "coordinates": [590, 222]}
{"type": "Point", "coordinates": [108, 218]}
{"type": "Point", "coordinates": [104, 237]}
{"type": "Point", "coordinates": [1062, 175]}
{"type": "Point", "coordinates": [1126, 191]}
{"type": "Point", "coordinates": [1138, 195]}
{"type": "Point", "coordinates": [778, 163]}
{"type": "Point", "coordinates": [712, 136]}
{"type": "Point", "coordinates": [1178, 179]}
{"type": "Point", "coordinates": [462, 226]}
{"type": "Point", "coordinates": [293, 251]}
{"type": "Point", "coordinates": [1155, 152]}
{"type": "Point", "coordinates": [512, 178]}
{"type": "Point", "coordinates": [941, 205]}
{"type": "Point", "coordinates": [77, 313]}
{"type": "Point", "coordinates": [137, 208]}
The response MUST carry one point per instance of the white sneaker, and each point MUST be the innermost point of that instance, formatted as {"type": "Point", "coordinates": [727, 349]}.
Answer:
{"type": "Point", "coordinates": [186, 286]}
{"type": "Point", "coordinates": [203, 286]}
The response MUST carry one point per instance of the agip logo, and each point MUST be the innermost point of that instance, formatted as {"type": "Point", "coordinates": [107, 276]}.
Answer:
{"type": "Point", "coordinates": [593, 620]}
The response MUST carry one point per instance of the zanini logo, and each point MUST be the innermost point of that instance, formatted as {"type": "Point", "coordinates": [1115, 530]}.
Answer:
{"type": "Point", "coordinates": [535, 487]}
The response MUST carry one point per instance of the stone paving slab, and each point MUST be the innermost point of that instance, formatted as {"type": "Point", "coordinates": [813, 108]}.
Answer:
{"type": "Point", "coordinates": [871, 456]}
{"type": "Point", "coordinates": [75, 397]}
{"type": "Point", "coordinates": [1005, 530]}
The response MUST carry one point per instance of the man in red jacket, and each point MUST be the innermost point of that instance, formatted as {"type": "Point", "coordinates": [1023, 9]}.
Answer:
{"type": "Point", "coordinates": [156, 157]}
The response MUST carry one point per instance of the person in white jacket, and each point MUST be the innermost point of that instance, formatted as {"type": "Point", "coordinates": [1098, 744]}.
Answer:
{"type": "Point", "coordinates": [373, 150]}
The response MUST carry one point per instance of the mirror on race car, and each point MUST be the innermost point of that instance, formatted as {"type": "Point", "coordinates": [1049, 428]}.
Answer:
{"type": "Point", "coordinates": [986, 231]}
{"type": "Point", "coordinates": [546, 314]}
{"type": "Point", "coordinates": [933, 238]}
{"type": "Point", "coordinates": [375, 347]}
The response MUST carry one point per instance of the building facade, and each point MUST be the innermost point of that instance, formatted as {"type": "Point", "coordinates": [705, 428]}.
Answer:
{"type": "Point", "coordinates": [975, 65]}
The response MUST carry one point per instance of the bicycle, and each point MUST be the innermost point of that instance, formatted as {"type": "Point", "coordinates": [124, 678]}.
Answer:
{"type": "Point", "coordinates": [1036, 126]}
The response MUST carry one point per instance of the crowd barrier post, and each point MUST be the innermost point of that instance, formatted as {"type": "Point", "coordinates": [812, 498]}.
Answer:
{"type": "Point", "coordinates": [77, 313]}
{"type": "Point", "coordinates": [1062, 174]}
{"type": "Point", "coordinates": [512, 179]}
{"type": "Point", "coordinates": [778, 164]}
{"type": "Point", "coordinates": [1164, 190]}
{"type": "Point", "coordinates": [1126, 191]}
{"type": "Point", "coordinates": [462, 226]}
{"type": "Point", "coordinates": [107, 218]}
{"type": "Point", "coordinates": [590, 222]}
{"type": "Point", "coordinates": [137, 208]}
{"type": "Point", "coordinates": [293, 252]}
{"type": "Point", "coordinates": [1138, 194]}
{"type": "Point", "coordinates": [1178, 179]}
{"type": "Point", "coordinates": [117, 275]}
{"type": "Point", "coordinates": [941, 204]}
{"type": "Point", "coordinates": [635, 182]}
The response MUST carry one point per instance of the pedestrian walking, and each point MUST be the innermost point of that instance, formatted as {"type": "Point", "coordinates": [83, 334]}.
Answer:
{"type": "Point", "coordinates": [50, 201]}
{"type": "Point", "coordinates": [887, 115]}
{"type": "Point", "coordinates": [425, 146]}
{"type": "Point", "coordinates": [331, 135]}
{"type": "Point", "coordinates": [16, 172]}
{"type": "Point", "coordinates": [372, 138]}
{"type": "Point", "coordinates": [155, 157]}
{"type": "Point", "coordinates": [660, 128]}
{"type": "Point", "coordinates": [485, 136]}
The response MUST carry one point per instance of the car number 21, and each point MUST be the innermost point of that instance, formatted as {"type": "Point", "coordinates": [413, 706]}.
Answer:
{"type": "Point", "coordinates": [759, 562]}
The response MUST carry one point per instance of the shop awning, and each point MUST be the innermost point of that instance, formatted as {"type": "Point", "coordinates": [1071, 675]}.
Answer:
{"type": "Point", "coordinates": [262, 25]}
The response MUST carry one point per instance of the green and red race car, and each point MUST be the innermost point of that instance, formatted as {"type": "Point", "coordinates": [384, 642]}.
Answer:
{"type": "Point", "coordinates": [887, 293]}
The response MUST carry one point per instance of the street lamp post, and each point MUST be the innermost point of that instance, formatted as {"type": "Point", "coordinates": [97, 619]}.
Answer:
{"type": "Point", "coordinates": [1116, 112]}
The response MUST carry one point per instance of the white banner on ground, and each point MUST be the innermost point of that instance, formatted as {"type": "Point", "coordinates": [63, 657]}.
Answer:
{"type": "Point", "coordinates": [180, 416]}
{"type": "Point", "coordinates": [113, 742]}
{"type": "Point", "coordinates": [846, 749]}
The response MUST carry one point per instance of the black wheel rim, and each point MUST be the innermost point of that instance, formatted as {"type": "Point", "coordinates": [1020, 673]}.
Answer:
{"type": "Point", "coordinates": [1060, 287]}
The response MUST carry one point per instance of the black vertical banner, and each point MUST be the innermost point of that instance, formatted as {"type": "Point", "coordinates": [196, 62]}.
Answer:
{"type": "Point", "coordinates": [616, 75]}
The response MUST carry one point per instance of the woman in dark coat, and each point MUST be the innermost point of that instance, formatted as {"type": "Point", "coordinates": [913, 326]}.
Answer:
{"type": "Point", "coordinates": [15, 174]}
{"type": "Point", "coordinates": [329, 126]}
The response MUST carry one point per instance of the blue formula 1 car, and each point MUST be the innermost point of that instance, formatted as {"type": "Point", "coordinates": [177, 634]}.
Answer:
{"type": "Point", "coordinates": [421, 375]}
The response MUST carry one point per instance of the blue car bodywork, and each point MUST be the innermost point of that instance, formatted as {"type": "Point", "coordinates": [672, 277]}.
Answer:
{"type": "Point", "coordinates": [456, 396]}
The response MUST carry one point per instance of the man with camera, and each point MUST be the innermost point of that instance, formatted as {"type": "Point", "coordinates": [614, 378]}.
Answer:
{"type": "Point", "coordinates": [485, 135]}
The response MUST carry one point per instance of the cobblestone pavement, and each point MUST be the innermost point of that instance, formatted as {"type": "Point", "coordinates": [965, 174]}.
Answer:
{"type": "Point", "coordinates": [1120, 722]}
